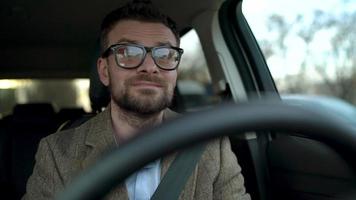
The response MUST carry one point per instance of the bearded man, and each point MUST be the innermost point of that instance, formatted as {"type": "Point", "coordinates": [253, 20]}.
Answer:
{"type": "Point", "coordinates": [139, 60]}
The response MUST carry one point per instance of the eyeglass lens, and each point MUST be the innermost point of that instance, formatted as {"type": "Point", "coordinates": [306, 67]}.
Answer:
{"type": "Point", "coordinates": [129, 56]}
{"type": "Point", "coordinates": [132, 56]}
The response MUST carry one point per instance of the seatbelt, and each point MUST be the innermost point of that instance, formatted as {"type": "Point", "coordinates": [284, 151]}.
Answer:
{"type": "Point", "coordinates": [178, 173]}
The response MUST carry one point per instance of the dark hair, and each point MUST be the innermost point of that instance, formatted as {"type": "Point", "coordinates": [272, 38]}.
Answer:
{"type": "Point", "coordinates": [141, 10]}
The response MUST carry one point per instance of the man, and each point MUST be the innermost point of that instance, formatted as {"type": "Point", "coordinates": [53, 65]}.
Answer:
{"type": "Point", "coordinates": [140, 56]}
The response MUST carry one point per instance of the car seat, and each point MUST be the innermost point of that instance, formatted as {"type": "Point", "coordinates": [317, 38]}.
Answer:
{"type": "Point", "coordinates": [27, 125]}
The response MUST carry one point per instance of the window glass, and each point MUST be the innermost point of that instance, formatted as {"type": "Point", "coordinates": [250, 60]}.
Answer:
{"type": "Point", "coordinates": [194, 82]}
{"type": "Point", "coordinates": [309, 45]}
{"type": "Point", "coordinates": [64, 93]}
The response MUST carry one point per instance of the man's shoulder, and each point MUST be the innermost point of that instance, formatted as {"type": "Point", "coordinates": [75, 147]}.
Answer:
{"type": "Point", "coordinates": [67, 140]}
{"type": "Point", "coordinates": [215, 146]}
{"type": "Point", "coordinates": [216, 151]}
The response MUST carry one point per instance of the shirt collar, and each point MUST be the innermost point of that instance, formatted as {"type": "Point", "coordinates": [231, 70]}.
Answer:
{"type": "Point", "coordinates": [152, 164]}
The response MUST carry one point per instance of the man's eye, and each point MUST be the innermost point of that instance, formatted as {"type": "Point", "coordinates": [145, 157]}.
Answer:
{"type": "Point", "coordinates": [121, 51]}
{"type": "Point", "coordinates": [133, 52]}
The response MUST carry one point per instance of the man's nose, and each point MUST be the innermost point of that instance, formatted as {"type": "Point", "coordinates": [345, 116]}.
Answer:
{"type": "Point", "coordinates": [148, 65]}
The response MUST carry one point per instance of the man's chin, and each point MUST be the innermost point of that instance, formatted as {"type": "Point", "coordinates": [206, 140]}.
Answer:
{"type": "Point", "coordinates": [145, 109]}
{"type": "Point", "coordinates": [144, 104]}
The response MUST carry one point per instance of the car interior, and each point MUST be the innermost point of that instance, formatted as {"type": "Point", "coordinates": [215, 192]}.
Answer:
{"type": "Point", "coordinates": [47, 40]}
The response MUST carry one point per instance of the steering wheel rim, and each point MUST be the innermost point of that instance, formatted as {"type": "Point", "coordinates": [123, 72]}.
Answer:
{"type": "Point", "coordinates": [201, 126]}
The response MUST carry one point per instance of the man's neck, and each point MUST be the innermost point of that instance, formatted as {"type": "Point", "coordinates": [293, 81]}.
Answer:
{"type": "Point", "coordinates": [127, 124]}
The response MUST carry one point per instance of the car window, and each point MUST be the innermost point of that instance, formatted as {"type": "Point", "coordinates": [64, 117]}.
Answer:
{"type": "Point", "coordinates": [309, 46]}
{"type": "Point", "coordinates": [194, 81]}
{"type": "Point", "coordinates": [61, 93]}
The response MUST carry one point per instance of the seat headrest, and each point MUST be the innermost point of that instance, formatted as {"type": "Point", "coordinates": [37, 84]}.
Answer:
{"type": "Point", "coordinates": [33, 114]}
{"type": "Point", "coordinates": [98, 93]}
{"type": "Point", "coordinates": [34, 109]}
{"type": "Point", "coordinates": [70, 113]}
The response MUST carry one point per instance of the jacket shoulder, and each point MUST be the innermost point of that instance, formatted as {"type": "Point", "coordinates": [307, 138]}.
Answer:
{"type": "Point", "coordinates": [68, 142]}
{"type": "Point", "coordinates": [216, 150]}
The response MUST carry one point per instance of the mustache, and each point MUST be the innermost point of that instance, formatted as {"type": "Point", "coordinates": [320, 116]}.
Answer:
{"type": "Point", "coordinates": [146, 77]}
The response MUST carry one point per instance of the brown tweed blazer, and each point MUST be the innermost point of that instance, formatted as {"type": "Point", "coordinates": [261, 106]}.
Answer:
{"type": "Point", "coordinates": [63, 155]}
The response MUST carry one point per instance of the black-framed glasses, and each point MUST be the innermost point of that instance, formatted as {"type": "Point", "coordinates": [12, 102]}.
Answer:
{"type": "Point", "coordinates": [130, 56]}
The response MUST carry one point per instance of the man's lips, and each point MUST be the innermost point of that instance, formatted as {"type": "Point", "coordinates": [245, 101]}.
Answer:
{"type": "Point", "coordinates": [146, 84]}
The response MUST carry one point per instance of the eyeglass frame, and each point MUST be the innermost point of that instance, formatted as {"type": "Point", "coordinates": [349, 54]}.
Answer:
{"type": "Point", "coordinates": [111, 50]}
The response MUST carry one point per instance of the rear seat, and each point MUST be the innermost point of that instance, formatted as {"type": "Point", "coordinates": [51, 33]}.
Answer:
{"type": "Point", "coordinates": [4, 159]}
{"type": "Point", "coordinates": [23, 130]}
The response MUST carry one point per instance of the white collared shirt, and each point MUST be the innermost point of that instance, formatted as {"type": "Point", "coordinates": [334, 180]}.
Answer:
{"type": "Point", "coordinates": [142, 184]}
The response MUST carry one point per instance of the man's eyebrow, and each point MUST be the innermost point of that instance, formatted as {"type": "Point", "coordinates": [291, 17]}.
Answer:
{"type": "Point", "coordinates": [125, 40]}
{"type": "Point", "coordinates": [165, 44]}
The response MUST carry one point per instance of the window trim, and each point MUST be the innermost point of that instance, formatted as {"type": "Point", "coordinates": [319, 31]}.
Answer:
{"type": "Point", "coordinates": [245, 50]}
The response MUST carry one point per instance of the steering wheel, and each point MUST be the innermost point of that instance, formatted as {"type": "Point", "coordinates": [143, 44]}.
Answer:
{"type": "Point", "coordinates": [201, 126]}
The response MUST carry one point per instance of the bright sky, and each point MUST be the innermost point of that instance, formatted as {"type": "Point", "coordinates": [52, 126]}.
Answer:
{"type": "Point", "coordinates": [257, 11]}
{"type": "Point", "coordinates": [191, 45]}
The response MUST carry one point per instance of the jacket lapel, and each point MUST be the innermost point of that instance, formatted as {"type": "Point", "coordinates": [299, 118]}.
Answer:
{"type": "Point", "coordinates": [99, 140]}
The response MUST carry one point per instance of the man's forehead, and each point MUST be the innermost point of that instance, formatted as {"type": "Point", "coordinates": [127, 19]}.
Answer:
{"type": "Point", "coordinates": [131, 41]}
{"type": "Point", "coordinates": [134, 31]}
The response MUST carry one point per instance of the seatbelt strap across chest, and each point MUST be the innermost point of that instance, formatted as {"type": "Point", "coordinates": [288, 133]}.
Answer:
{"type": "Point", "coordinates": [178, 173]}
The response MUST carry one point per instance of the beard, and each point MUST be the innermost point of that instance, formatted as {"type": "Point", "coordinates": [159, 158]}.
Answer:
{"type": "Point", "coordinates": [143, 101]}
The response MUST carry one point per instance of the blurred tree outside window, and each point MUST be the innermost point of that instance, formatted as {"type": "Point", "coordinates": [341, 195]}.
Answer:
{"type": "Point", "coordinates": [194, 82]}
{"type": "Point", "coordinates": [309, 45]}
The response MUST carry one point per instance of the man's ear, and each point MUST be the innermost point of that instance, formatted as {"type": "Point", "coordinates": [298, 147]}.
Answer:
{"type": "Point", "coordinates": [103, 70]}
